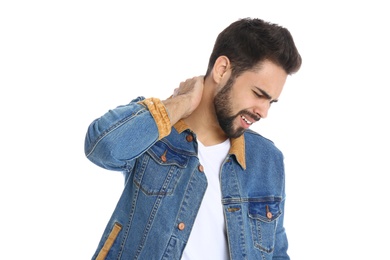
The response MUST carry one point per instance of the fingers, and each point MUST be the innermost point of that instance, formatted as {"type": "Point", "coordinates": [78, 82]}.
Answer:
{"type": "Point", "coordinates": [188, 85]}
{"type": "Point", "coordinates": [175, 92]}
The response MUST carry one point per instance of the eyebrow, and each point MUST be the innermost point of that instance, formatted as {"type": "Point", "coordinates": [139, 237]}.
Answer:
{"type": "Point", "coordinates": [268, 96]}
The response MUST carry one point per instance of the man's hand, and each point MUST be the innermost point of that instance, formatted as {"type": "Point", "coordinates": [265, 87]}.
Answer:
{"type": "Point", "coordinates": [185, 99]}
{"type": "Point", "coordinates": [191, 90]}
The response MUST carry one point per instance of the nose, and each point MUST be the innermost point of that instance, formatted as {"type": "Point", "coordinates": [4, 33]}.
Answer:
{"type": "Point", "coordinates": [262, 109]}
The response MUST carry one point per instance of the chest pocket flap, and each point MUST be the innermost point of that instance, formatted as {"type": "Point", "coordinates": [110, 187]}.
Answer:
{"type": "Point", "coordinates": [167, 155]}
{"type": "Point", "coordinates": [158, 171]}
{"type": "Point", "coordinates": [266, 211]}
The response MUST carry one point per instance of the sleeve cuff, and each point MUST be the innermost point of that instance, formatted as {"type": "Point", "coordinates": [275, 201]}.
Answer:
{"type": "Point", "coordinates": [160, 115]}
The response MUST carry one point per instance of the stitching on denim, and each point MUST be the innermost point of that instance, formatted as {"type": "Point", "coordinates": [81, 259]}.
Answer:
{"type": "Point", "coordinates": [112, 128]}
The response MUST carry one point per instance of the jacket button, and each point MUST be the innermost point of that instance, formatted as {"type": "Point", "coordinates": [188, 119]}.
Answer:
{"type": "Point", "coordinates": [181, 226]}
{"type": "Point", "coordinates": [163, 157]}
{"type": "Point", "coordinates": [268, 214]}
{"type": "Point", "coordinates": [200, 168]}
{"type": "Point", "coordinates": [189, 138]}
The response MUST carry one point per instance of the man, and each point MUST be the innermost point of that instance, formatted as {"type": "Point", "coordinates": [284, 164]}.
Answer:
{"type": "Point", "coordinates": [199, 184]}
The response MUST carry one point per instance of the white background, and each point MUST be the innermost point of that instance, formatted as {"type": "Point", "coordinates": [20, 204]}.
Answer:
{"type": "Point", "coordinates": [64, 63]}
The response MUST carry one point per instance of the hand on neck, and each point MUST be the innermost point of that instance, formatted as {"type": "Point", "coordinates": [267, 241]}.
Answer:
{"type": "Point", "coordinates": [203, 120]}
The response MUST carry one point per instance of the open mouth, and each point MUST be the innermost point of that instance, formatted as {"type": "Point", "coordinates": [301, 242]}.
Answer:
{"type": "Point", "coordinates": [246, 120]}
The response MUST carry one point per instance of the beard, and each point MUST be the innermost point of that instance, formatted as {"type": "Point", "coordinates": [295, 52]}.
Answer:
{"type": "Point", "coordinates": [224, 111]}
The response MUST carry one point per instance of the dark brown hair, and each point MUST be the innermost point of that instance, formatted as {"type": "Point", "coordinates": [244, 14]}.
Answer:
{"type": "Point", "coordinates": [249, 41]}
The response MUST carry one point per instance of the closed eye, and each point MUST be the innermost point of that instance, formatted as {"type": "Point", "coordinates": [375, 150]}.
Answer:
{"type": "Point", "coordinates": [257, 94]}
{"type": "Point", "coordinates": [264, 95]}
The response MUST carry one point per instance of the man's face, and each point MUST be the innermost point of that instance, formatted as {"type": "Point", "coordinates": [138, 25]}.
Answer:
{"type": "Point", "coordinates": [244, 100]}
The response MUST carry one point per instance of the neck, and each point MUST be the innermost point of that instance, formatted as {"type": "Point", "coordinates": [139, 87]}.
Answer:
{"type": "Point", "coordinates": [203, 121]}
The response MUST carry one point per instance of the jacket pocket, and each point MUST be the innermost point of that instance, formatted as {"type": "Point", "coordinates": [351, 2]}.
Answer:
{"type": "Point", "coordinates": [158, 170]}
{"type": "Point", "coordinates": [263, 217]}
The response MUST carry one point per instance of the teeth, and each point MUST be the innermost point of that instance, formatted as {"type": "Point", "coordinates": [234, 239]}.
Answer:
{"type": "Point", "coordinates": [246, 120]}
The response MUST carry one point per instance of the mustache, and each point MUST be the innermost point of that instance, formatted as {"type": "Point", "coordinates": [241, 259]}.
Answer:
{"type": "Point", "coordinates": [249, 114]}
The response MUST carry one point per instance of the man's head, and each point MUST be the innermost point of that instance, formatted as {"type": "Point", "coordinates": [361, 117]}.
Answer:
{"type": "Point", "coordinates": [248, 42]}
{"type": "Point", "coordinates": [257, 57]}
{"type": "Point", "coordinates": [239, 102]}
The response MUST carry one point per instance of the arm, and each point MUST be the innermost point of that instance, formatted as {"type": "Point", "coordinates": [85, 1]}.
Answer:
{"type": "Point", "coordinates": [124, 133]}
{"type": "Point", "coordinates": [281, 243]}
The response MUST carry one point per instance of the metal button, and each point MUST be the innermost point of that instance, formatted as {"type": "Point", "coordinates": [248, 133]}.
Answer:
{"type": "Point", "coordinates": [189, 138]}
{"type": "Point", "coordinates": [268, 214]}
{"type": "Point", "coordinates": [164, 157]}
{"type": "Point", "coordinates": [181, 226]}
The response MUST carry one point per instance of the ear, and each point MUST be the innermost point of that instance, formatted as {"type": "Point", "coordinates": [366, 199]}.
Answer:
{"type": "Point", "coordinates": [221, 68]}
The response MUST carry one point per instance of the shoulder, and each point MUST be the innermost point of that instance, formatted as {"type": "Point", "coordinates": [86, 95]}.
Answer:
{"type": "Point", "coordinates": [250, 134]}
{"type": "Point", "coordinates": [255, 142]}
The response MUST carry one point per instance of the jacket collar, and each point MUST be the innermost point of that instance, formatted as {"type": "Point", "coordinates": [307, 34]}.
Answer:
{"type": "Point", "coordinates": [237, 145]}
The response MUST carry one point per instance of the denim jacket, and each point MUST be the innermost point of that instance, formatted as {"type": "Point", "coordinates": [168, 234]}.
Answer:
{"type": "Point", "coordinates": [165, 183]}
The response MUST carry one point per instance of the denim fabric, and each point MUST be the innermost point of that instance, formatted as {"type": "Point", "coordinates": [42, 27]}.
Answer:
{"type": "Point", "coordinates": [165, 184]}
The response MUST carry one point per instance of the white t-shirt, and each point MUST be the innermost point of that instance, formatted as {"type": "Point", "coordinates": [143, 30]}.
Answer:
{"type": "Point", "coordinates": [208, 236]}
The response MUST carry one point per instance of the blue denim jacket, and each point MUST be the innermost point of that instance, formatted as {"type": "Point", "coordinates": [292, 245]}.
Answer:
{"type": "Point", "coordinates": [165, 183]}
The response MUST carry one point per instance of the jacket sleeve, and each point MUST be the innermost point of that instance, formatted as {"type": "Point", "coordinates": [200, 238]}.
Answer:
{"type": "Point", "coordinates": [281, 243]}
{"type": "Point", "coordinates": [126, 132]}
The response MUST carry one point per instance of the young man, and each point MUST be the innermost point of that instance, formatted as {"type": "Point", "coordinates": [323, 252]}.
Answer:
{"type": "Point", "coordinates": [199, 184]}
